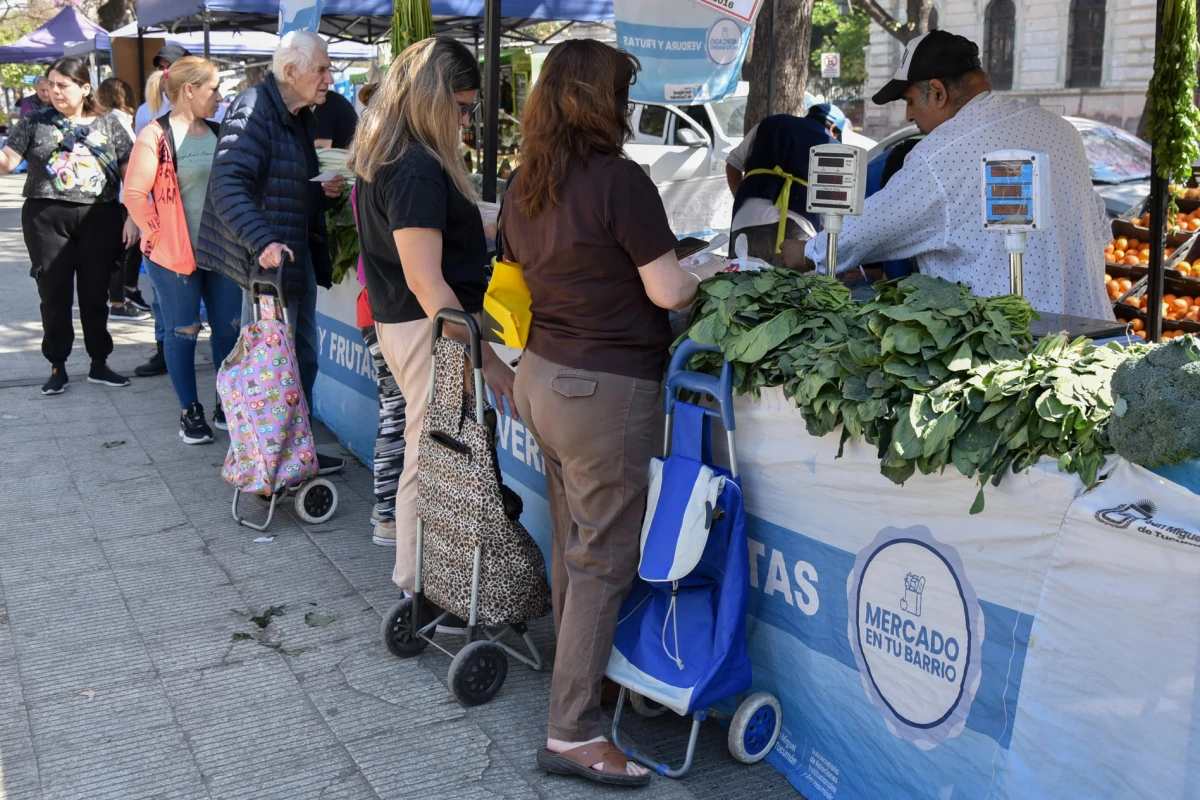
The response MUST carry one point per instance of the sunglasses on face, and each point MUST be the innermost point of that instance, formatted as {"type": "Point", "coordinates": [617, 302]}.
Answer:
{"type": "Point", "coordinates": [468, 109]}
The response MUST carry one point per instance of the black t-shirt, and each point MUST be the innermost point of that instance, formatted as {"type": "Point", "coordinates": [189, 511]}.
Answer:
{"type": "Point", "coordinates": [414, 192]}
{"type": "Point", "coordinates": [336, 120]}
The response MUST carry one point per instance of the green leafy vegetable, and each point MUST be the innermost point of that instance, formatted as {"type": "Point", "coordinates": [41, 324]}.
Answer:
{"type": "Point", "coordinates": [1172, 119]}
{"type": "Point", "coordinates": [928, 373]}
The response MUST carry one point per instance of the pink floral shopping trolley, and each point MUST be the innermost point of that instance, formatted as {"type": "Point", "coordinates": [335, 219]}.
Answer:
{"type": "Point", "coordinates": [271, 448]}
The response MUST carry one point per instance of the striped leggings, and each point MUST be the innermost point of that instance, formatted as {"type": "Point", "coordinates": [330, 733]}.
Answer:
{"type": "Point", "coordinates": [389, 442]}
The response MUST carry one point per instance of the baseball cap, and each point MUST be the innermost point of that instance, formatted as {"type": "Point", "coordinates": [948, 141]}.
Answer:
{"type": "Point", "coordinates": [830, 113]}
{"type": "Point", "coordinates": [169, 54]}
{"type": "Point", "coordinates": [937, 54]}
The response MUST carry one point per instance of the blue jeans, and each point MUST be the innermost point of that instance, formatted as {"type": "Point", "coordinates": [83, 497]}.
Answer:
{"type": "Point", "coordinates": [302, 313]}
{"type": "Point", "coordinates": [178, 299]}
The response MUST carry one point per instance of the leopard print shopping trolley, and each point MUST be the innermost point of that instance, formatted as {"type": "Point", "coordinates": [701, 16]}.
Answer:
{"type": "Point", "coordinates": [474, 558]}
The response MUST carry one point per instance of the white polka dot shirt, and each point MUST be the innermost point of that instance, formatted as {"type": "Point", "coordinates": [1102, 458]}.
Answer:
{"type": "Point", "coordinates": [931, 210]}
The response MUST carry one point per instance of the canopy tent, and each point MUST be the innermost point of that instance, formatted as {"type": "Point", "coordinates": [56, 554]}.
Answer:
{"type": "Point", "coordinates": [50, 41]}
{"type": "Point", "coordinates": [221, 43]}
{"type": "Point", "coordinates": [363, 20]}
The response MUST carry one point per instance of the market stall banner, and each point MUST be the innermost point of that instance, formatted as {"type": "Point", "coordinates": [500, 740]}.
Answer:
{"type": "Point", "coordinates": [299, 15]}
{"type": "Point", "coordinates": [690, 53]}
{"type": "Point", "coordinates": [745, 10]}
{"type": "Point", "coordinates": [1010, 654]}
{"type": "Point", "coordinates": [345, 396]}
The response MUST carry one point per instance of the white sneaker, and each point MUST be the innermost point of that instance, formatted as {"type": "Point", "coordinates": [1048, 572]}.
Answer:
{"type": "Point", "coordinates": [384, 534]}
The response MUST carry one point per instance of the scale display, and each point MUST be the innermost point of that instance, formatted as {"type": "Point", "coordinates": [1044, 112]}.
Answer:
{"type": "Point", "coordinates": [1015, 192]}
{"type": "Point", "coordinates": [837, 179]}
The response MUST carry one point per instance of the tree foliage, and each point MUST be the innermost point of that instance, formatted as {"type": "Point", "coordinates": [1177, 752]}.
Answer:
{"type": "Point", "coordinates": [916, 18]}
{"type": "Point", "coordinates": [847, 34]}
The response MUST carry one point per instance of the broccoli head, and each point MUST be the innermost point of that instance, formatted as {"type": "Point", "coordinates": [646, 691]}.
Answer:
{"type": "Point", "coordinates": [1156, 413]}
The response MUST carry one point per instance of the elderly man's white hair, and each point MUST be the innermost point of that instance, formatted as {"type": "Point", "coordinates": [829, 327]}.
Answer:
{"type": "Point", "coordinates": [298, 48]}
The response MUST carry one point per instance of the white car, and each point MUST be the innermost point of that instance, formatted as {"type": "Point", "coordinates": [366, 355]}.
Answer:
{"type": "Point", "coordinates": [683, 150]}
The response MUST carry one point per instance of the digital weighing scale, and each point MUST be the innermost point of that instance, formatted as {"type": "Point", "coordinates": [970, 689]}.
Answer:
{"type": "Point", "coordinates": [1016, 201]}
{"type": "Point", "coordinates": [837, 187]}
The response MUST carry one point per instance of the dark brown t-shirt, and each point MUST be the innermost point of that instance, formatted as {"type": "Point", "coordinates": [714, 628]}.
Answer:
{"type": "Point", "coordinates": [581, 259]}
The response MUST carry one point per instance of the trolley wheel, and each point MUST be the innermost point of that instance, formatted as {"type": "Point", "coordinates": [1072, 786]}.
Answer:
{"type": "Point", "coordinates": [316, 501]}
{"type": "Point", "coordinates": [477, 673]}
{"type": "Point", "coordinates": [755, 727]}
{"type": "Point", "coordinates": [400, 634]}
{"type": "Point", "coordinates": [645, 707]}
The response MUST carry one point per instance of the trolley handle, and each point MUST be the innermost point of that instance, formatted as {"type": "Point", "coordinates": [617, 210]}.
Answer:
{"type": "Point", "coordinates": [472, 326]}
{"type": "Point", "coordinates": [271, 279]}
{"type": "Point", "coordinates": [720, 390]}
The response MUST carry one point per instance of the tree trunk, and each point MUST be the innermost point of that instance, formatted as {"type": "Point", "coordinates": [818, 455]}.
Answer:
{"type": "Point", "coordinates": [793, 41]}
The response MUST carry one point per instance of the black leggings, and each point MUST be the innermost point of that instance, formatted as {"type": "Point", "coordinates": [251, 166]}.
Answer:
{"type": "Point", "coordinates": [72, 244]}
{"type": "Point", "coordinates": [126, 269]}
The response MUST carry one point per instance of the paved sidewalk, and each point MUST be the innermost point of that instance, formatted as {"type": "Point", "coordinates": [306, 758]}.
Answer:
{"type": "Point", "coordinates": [126, 592]}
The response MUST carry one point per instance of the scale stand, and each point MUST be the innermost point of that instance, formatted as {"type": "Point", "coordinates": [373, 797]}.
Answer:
{"type": "Point", "coordinates": [833, 226]}
{"type": "Point", "coordinates": [1014, 243]}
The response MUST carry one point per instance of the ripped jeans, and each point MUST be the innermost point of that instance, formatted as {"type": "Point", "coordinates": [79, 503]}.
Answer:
{"type": "Point", "coordinates": [179, 297]}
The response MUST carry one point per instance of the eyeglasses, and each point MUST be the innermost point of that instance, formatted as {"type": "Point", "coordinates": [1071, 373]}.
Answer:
{"type": "Point", "coordinates": [468, 109]}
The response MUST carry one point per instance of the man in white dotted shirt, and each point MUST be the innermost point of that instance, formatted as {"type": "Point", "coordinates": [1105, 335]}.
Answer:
{"type": "Point", "coordinates": [930, 209]}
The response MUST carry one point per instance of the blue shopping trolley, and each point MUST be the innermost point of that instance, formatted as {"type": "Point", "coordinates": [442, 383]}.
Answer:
{"type": "Point", "coordinates": [693, 577]}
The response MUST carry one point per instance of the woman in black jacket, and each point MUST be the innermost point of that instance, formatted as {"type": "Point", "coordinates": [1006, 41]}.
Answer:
{"type": "Point", "coordinates": [262, 207]}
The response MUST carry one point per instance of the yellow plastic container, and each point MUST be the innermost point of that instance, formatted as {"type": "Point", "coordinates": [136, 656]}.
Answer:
{"type": "Point", "coordinates": [506, 314]}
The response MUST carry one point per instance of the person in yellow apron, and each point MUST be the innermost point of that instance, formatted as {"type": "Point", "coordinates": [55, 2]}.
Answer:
{"type": "Point", "coordinates": [768, 174]}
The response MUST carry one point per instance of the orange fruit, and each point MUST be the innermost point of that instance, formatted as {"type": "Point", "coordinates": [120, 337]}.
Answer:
{"type": "Point", "coordinates": [1141, 334]}
{"type": "Point", "coordinates": [1125, 284]}
{"type": "Point", "coordinates": [1121, 243]}
{"type": "Point", "coordinates": [1168, 298]}
{"type": "Point", "coordinates": [1144, 249]}
{"type": "Point", "coordinates": [1144, 260]}
{"type": "Point", "coordinates": [1179, 306]}
{"type": "Point", "coordinates": [1138, 324]}
{"type": "Point", "coordinates": [1131, 261]}
{"type": "Point", "coordinates": [1118, 256]}
{"type": "Point", "coordinates": [1187, 301]}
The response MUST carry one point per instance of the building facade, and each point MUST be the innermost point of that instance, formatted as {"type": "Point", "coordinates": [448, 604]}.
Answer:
{"type": "Point", "coordinates": [1082, 58]}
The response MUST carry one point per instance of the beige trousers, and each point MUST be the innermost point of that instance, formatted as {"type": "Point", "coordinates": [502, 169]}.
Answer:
{"type": "Point", "coordinates": [596, 433]}
{"type": "Point", "coordinates": [405, 347]}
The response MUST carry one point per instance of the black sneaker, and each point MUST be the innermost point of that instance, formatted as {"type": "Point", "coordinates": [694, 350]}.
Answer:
{"type": "Point", "coordinates": [192, 427]}
{"type": "Point", "coordinates": [134, 298]}
{"type": "Point", "coordinates": [127, 311]}
{"type": "Point", "coordinates": [157, 365]}
{"type": "Point", "coordinates": [219, 416]}
{"type": "Point", "coordinates": [330, 464]}
{"type": "Point", "coordinates": [58, 381]}
{"type": "Point", "coordinates": [100, 373]}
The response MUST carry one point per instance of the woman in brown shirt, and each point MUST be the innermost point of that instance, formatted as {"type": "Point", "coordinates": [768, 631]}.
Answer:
{"type": "Point", "coordinates": [589, 229]}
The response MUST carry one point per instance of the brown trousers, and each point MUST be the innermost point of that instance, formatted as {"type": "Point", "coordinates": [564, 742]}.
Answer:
{"type": "Point", "coordinates": [405, 347]}
{"type": "Point", "coordinates": [596, 431]}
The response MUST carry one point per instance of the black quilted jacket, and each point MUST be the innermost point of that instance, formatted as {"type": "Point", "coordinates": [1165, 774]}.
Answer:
{"type": "Point", "coordinates": [259, 191]}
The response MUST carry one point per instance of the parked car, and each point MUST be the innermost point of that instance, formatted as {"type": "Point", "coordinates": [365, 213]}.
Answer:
{"type": "Point", "coordinates": [1119, 161]}
{"type": "Point", "coordinates": [683, 149]}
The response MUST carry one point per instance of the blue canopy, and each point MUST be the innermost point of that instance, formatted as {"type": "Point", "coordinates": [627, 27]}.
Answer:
{"type": "Point", "coordinates": [221, 43]}
{"type": "Point", "coordinates": [158, 12]}
{"type": "Point", "coordinates": [48, 42]}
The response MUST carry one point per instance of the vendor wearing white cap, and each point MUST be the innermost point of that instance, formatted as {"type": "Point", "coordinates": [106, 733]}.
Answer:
{"type": "Point", "coordinates": [930, 210]}
{"type": "Point", "coordinates": [768, 171]}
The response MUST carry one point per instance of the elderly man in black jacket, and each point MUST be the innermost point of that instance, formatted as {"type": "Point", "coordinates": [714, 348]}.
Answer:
{"type": "Point", "coordinates": [262, 209]}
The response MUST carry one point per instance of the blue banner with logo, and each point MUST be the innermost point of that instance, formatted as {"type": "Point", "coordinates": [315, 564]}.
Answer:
{"type": "Point", "coordinates": [690, 53]}
{"type": "Point", "coordinates": [299, 15]}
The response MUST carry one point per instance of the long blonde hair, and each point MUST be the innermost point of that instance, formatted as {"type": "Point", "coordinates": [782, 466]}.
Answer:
{"type": "Point", "coordinates": [416, 101]}
{"type": "Point", "coordinates": [187, 71]}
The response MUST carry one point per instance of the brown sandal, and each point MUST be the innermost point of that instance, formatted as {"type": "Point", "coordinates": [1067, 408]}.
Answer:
{"type": "Point", "coordinates": [579, 761]}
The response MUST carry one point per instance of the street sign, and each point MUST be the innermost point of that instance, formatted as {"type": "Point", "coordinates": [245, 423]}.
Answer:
{"type": "Point", "coordinates": [745, 10]}
{"type": "Point", "coordinates": [30, 79]}
{"type": "Point", "coordinates": [831, 65]}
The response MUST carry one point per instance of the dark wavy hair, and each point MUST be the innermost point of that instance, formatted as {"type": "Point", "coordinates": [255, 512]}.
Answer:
{"type": "Point", "coordinates": [76, 69]}
{"type": "Point", "coordinates": [578, 108]}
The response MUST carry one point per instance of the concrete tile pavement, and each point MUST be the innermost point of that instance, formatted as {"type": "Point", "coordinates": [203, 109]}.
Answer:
{"type": "Point", "coordinates": [123, 582]}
